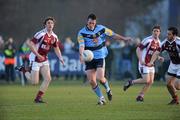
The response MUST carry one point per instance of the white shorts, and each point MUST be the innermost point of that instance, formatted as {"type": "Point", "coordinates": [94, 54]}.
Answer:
{"type": "Point", "coordinates": [174, 70]}
{"type": "Point", "coordinates": [36, 66]}
{"type": "Point", "coordinates": [145, 69]}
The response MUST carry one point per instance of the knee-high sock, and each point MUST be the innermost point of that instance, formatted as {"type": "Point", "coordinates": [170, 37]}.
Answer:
{"type": "Point", "coordinates": [98, 91]}
{"type": "Point", "coordinates": [106, 85]}
{"type": "Point", "coordinates": [39, 95]}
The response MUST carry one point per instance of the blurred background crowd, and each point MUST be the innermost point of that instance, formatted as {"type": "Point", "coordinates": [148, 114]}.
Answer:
{"type": "Point", "coordinates": [135, 18]}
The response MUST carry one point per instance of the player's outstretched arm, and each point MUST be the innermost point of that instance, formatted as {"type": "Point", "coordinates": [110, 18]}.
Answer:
{"type": "Point", "coordinates": [59, 55]}
{"type": "Point", "coordinates": [120, 37]}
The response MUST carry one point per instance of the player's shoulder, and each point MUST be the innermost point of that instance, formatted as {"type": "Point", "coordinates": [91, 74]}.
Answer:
{"type": "Point", "coordinates": [54, 35]}
{"type": "Point", "coordinates": [40, 33]}
{"type": "Point", "coordinates": [164, 41]}
{"type": "Point", "coordinates": [178, 40]}
{"type": "Point", "coordinates": [100, 26]}
{"type": "Point", "coordinates": [147, 39]}
{"type": "Point", "coordinates": [82, 30]}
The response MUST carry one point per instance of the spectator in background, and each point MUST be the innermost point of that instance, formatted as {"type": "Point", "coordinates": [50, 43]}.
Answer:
{"type": "Point", "coordinates": [127, 61]}
{"type": "Point", "coordinates": [1, 42]}
{"type": "Point", "coordinates": [136, 42]}
{"type": "Point", "coordinates": [68, 49]}
{"type": "Point", "coordinates": [117, 46]}
{"type": "Point", "coordinates": [24, 54]}
{"type": "Point", "coordinates": [9, 53]}
{"type": "Point", "coordinates": [109, 59]}
{"type": "Point", "coordinates": [68, 45]}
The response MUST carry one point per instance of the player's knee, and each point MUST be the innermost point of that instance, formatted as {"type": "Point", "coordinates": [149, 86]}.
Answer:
{"type": "Point", "coordinates": [177, 86]}
{"type": "Point", "coordinates": [48, 79]}
{"type": "Point", "coordinates": [169, 84]}
{"type": "Point", "coordinates": [93, 83]}
{"type": "Point", "coordinates": [99, 77]}
{"type": "Point", "coordinates": [150, 82]}
{"type": "Point", "coordinates": [34, 82]}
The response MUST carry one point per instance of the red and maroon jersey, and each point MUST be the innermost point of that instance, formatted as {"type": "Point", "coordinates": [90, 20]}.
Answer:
{"type": "Point", "coordinates": [148, 46]}
{"type": "Point", "coordinates": [43, 43]}
{"type": "Point", "coordinates": [173, 49]}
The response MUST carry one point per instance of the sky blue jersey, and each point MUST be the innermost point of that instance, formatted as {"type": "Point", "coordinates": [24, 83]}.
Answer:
{"type": "Point", "coordinates": [94, 40]}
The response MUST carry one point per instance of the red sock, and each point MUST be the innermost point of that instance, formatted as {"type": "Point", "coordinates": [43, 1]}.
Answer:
{"type": "Point", "coordinates": [175, 97]}
{"type": "Point", "coordinates": [39, 95]}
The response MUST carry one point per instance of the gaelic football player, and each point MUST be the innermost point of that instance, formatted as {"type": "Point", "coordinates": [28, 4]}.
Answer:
{"type": "Point", "coordinates": [40, 46]}
{"type": "Point", "coordinates": [172, 45]}
{"type": "Point", "coordinates": [144, 52]}
{"type": "Point", "coordinates": [93, 37]}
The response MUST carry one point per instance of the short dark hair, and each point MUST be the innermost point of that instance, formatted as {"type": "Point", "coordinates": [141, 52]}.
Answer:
{"type": "Point", "coordinates": [49, 18]}
{"type": "Point", "coordinates": [156, 27]}
{"type": "Point", "coordinates": [174, 30]}
{"type": "Point", "coordinates": [91, 16]}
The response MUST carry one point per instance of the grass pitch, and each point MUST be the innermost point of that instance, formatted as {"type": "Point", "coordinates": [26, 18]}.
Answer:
{"type": "Point", "coordinates": [74, 101]}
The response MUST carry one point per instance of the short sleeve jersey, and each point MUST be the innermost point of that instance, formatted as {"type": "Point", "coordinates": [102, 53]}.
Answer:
{"type": "Point", "coordinates": [43, 43]}
{"type": "Point", "coordinates": [95, 40]}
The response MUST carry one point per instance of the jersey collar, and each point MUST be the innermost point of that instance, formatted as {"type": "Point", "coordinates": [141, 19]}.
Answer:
{"type": "Point", "coordinates": [171, 41]}
{"type": "Point", "coordinates": [90, 29]}
{"type": "Point", "coordinates": [154, 38]}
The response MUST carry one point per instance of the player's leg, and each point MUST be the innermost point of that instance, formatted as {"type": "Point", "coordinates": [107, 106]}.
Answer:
{"type": "Point", "coordinates": [147, 74]}
{"type": "Point", "coordinates": [32, 74]}
{"type": "Point", "coordinates": [26, 70]}
{"type": "Point", "coordinates": [171, 89]}
{"type": "Point", "coordinates": [101, 77]}
{"type": "Point", "coordinates": [173, 73]}
{"type": "Point", "coordinates": [177, 84]}
{"type": "Point", "coordinates": [34, 77]}
{"type": "Point", "coordinates": [143, 71]}
{"type": "Point", "coordinates": [45, 71]}
{"type": "Point", "coordinates": [28, 75]}
{"type": "Point", "coordinates": [149, 78]}
{"type": "Point", "coordinates": [91, 76]}
{"type": "Point", "coordinates": [104, 82]}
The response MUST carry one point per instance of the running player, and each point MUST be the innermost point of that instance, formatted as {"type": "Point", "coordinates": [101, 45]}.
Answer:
{"type": "Point", "coordinates": [93, 37]}
{"type": "Point", "coordinates": [40, 46]}
{"type": "Point", "coordinates": [144, 52]}
{"type": "Point", "coordinates": [172, 45]}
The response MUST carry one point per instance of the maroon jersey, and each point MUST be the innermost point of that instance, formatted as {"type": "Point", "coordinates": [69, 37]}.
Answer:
{"type": "Point", "coordinates": [43, 43]}
{"type": "Point", "coordinates": [173, 49]}
{"type": "Point", "coordinates": [148, 46]}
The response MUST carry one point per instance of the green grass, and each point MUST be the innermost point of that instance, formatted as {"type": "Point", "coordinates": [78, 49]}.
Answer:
{"type": "Point", "coordinates": [73, 101]}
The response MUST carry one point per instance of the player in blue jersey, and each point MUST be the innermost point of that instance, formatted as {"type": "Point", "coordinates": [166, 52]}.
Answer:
{"type": "Point", "coordinates": [92, 37]}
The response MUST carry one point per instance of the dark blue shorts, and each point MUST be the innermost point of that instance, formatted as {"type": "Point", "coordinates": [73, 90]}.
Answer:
{"type": "Point", "coordinates": [94, 64]}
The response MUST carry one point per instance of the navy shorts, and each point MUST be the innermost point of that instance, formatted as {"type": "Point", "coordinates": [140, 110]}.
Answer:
{"type": "Point", "coordinates": [94, 64]}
